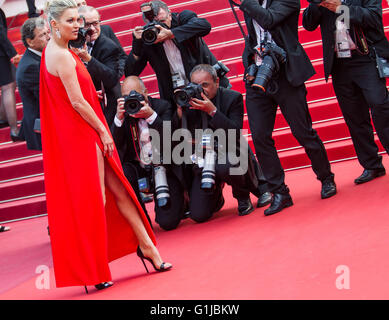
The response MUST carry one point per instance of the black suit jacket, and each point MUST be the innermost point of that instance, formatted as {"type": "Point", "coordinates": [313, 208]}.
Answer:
{"type": "Point", "coordinates": [280, 18]}
{"type": "Point", "coordinates": [27, 78]}
{"type": "Point", "coordinates": [122, 137]}
{"type": "Point", "coordinates": [105, 67]}
{"type": "Point", "coordinates": [364, 14]}
{"type": "Point", "coordinates": [6, 47]}
{"type": "Point", "coordinates": [229, 115]}
{"type": "Point", "coordinates": [108, 32]}
{"type": "Point", "coordinates": [188, 30]}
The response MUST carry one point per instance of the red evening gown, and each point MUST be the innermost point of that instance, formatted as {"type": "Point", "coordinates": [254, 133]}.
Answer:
{"type": "Point", "coordinates": [85, 235]}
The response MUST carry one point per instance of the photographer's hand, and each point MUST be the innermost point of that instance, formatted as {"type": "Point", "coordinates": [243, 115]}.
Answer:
{"type": "Point", "coordinates": [164, 34]}
{"type": "Point", "coordinates": [120, 109]}
{"type": "Point", "coordinates": [331, 5]}
{"type": "Point", "coordinates": [82, 53]}
{"type": "Point", "coordinates": [205, 105]}
{"type": "Point", "coordinates": [145, 112]}
{"type": "Point", "coordinates": [138, 32]}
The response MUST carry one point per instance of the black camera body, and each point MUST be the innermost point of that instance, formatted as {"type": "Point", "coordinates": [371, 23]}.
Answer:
{"type": "Point", "coordinates": [184, 95]}
{"type": "Point", "coordinates": [221, 69]}
{"type": "Point", "coordinates": [132, 102]}
{"type": "Point", "coordinates": [272, 56]}
{"type": "Point", "coordinates": [81, 38]}
{"type": "Point", "coordinates": [150, 32]}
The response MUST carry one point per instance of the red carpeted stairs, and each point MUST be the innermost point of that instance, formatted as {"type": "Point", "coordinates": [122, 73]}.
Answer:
{"type": "Point", "coordinates": [21, 171]}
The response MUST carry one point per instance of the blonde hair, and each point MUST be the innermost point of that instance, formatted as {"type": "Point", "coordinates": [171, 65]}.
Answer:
{"type": "Point", "coordinates": [55, 8]}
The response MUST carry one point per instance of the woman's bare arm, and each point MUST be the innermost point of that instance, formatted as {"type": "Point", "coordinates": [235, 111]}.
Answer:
{"type": "Point", "coordinates": [66, 71]}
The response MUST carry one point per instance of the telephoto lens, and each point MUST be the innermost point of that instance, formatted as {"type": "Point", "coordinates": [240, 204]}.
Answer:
{"type": "Point", "coordinates": [208, 174]}
{"type": "Point", "coordinates": [161, 187]}
{"type": "Point", "coordinates": [264, 73]}
{"type": "Point", "coordinates": [183, 96]}
{"type": "Point", "coordinates": [132, 102]}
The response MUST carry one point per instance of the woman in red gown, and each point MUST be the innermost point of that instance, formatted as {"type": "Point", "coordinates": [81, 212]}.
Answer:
{"type": "Point", "coordinates": [93, 212]}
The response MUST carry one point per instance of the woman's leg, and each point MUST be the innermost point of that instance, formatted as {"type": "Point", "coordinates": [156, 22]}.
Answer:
{"type": "Point", "coordinates": [9, 104]}
{"type": "Point", "coordinates": [127, 208]}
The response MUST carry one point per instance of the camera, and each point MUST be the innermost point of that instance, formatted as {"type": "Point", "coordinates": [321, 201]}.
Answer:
{"type": "Point", "coordinates": [272, 56]}
{"type": "Point", "coordinates": [162, 193]}
{"type": "Point", "coordinates": [221, 69]}
{"type": "Point", "coordinates": [184, 95]}
{"type": "Point", "coordinates": [315, 1]}
{"type": "Point", "coordinates": [147, 11]}
{"type": "Point", "coordinates": [81, 37]}
{"type": "Point", "coordinates": [150, 32]}
{"type": "Point", "coordinates": [132, 102]}
{"type": "Point", "coordinates": [208, 174]}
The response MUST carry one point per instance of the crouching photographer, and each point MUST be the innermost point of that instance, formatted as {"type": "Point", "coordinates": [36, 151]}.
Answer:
{"type": "Point", "coordinates": [276, 69]}
{"type": "Point", "coordinates": [213, 118]}
{"type": "Point", "coordinates": [172, 43]}
{"type": "Point", "coordinates": [356, 54]}
{"type": "Point", "coordinates": [137, 113]}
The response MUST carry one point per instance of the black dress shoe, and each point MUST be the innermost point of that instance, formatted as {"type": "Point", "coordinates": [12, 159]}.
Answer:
{"type": "Point", "coordinates": [279, 202]}
{"type": "Point", "coordinates": [15, 138]}
{"type": "Point", "coordinates": [328, 188]}
{"type": "Point", "coordinates": [245, 207]}
{"type": "Point", "coordinates": [264, 199]}
{"type": "Point", "coordinates": [369, 175]}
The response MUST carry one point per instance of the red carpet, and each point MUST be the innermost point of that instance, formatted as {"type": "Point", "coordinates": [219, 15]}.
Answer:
{"type": "Point", "coordinates": [291, 255]}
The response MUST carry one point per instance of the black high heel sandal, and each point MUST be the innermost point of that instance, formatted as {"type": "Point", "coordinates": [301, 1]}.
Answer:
{"type": "Point", "coordinates": [162, 267]}
{"type": "Point", "coordinates": [100, 286]}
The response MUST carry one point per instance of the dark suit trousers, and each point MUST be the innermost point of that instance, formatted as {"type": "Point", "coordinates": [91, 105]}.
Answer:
{"type": "Point", "coordinates": [202, 204]}
{"type": "Point", "coordinates": [359, 89]}
{"type": "Point", "coordinates": [31, 7]}
{"type": "Point", "coordinates": [262, 108]}
{"type": "Point", "coordinates": [169, 218]}
{"type": "Point", "coordinates": [133, 171]}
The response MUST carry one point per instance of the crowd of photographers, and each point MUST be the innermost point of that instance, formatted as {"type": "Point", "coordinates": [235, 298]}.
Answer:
{"type": "Point", "coordinates": [182, 148]}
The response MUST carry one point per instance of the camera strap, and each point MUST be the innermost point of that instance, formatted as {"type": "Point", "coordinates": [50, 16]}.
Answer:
{"type": "Point", "coordinates": [245, 37]}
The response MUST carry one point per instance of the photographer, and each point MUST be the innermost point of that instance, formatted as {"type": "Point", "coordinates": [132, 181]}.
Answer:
{"type": "Point", "coordinates": [177, 47]}
{"type": "Point", "coordinates": [218, 109]}
{"type": "Point", "coordinates": [103, 59]}
{"type": "Point", "coordinates": [107, 31]}
{"type": "Point", "coordinates": [278, 58]}
{"type": "Point", "coordinates": [35, 36]}
{"type": "Point", "coordinates": [351, 58]}
{"type": "Point", "coordinates": [153, 113]}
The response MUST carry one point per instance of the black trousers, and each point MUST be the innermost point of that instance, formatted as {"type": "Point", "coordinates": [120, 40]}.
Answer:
{"type": "Point", "coordinates": [261, 110]}
{"type": "Point", "coordinates": [201, 204]}
{"type": "Point", "coordinates": [133, 171]}
{"type": "Point", "coordinates": [359, 89]}
{"type": "Point", "coordinates": [31, 7]}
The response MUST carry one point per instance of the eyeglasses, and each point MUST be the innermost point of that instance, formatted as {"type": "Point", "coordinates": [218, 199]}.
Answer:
{"type": "Point", "coordinates": [95, 24]}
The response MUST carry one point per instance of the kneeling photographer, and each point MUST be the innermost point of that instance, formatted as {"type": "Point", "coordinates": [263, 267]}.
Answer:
{"type": "Point", "coordinates": [276, 69]}
{"type": "Point", "coordinates": [172, 43]}
{"type": "Point", "coordinates": [217, 113]}
{"type": "Point", "coordinates": [137, 113]}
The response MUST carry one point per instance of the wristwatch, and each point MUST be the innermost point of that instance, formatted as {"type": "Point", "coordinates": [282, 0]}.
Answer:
{"type": "Point", "coordinates": [212, 113]}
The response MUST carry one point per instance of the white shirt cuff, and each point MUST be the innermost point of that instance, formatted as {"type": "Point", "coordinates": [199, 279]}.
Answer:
{"type": "Point", "coordinates": [118, 122]}
{"type": "Point", "coordinates": [151, 119]}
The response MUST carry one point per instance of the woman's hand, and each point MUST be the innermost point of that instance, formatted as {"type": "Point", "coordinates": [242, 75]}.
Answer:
{"type": "Point", "coordinates": [15, 60]}
{"type": "Point", "coordinates": [107, 142]}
